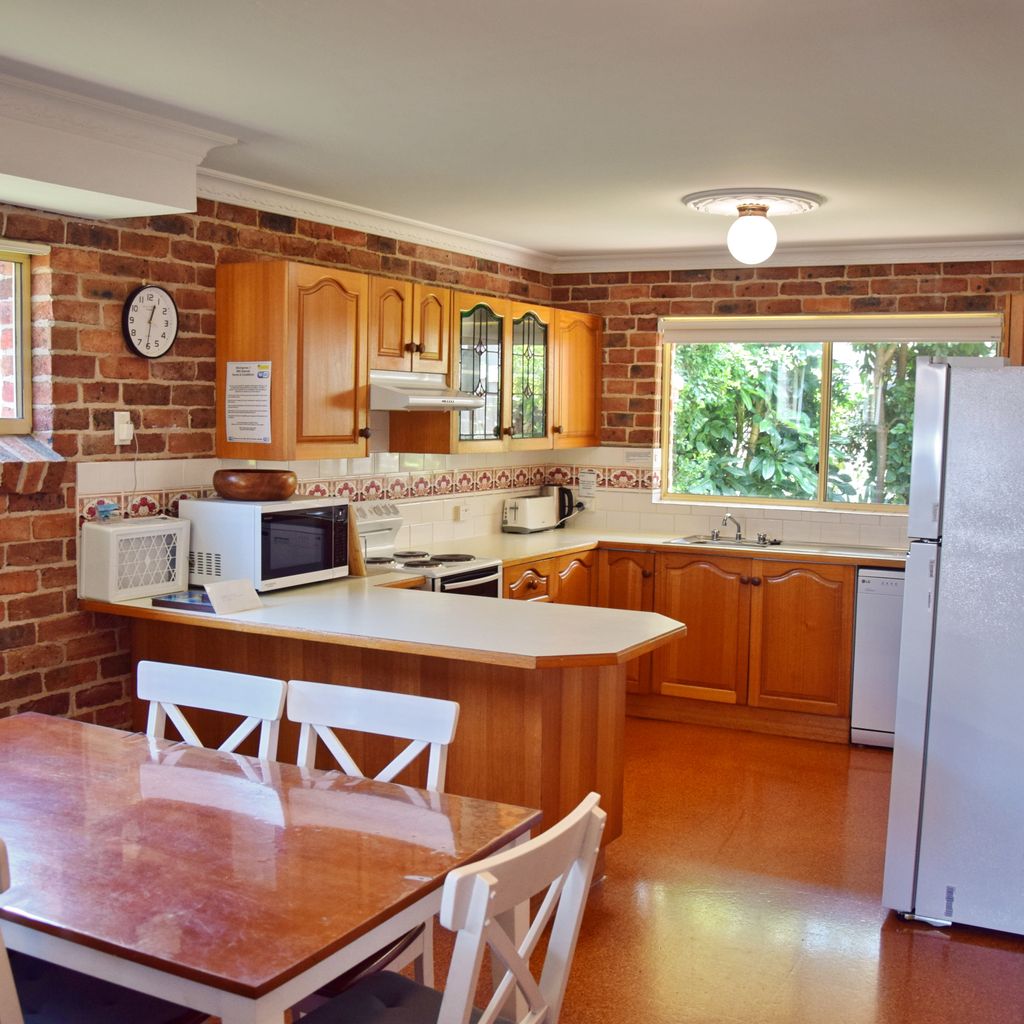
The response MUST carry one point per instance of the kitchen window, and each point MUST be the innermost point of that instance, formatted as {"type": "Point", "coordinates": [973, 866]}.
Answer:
{"type": "Point", "coordinates": [15, 344]}
{"type": "Point", "coordinates": [801, 410]}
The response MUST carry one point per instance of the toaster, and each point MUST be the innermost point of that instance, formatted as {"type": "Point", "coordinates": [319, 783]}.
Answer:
{"type": "Point", "coordinates": [126, 558]}
{"type": "Point", "coordinates": [528, 515]}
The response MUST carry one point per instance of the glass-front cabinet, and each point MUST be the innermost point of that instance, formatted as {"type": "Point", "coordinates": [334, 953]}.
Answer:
{"type": "Point", "coordinates": [529, 376]}
{"type": "Point", "coordinates": [481, 345]}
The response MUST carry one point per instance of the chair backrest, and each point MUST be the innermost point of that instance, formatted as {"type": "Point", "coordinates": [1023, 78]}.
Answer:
{"type": "Point", "coordinates": [476, 896]}
{"type": "Point", "coordinates": [427, 722]}
{"type": "Point", "coordinates": [258, 699]}
{"type": "Point", "coordinates": [10, 1007]}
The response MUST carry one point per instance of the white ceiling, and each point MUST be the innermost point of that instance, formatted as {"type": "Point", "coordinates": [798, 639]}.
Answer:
{"type": "Point", "coordinates": [571, 128]}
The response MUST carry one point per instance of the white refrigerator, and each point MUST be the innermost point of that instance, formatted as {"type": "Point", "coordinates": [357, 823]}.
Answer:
{"type": "Point", "coordinates": [955, 843]}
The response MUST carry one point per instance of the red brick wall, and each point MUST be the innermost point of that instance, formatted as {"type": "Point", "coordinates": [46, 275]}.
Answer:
{"type": "Point", "coordinates": [55, 658]}
{"type": "Point", "coordinates": [632, 302]}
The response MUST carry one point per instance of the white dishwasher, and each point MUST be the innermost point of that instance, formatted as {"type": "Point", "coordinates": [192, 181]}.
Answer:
{"type": "Point", "coordinates": [876, 656]}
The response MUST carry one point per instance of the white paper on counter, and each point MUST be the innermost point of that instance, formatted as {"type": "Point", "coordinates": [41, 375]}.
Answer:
{"type": "Point", "coordinates": [229, 596]}
{"type": "Point", "coordinates": [247, 402]}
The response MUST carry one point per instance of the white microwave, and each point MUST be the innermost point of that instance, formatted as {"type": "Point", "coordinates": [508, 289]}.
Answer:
{"type": "Point", "coordinates": [274, 544]}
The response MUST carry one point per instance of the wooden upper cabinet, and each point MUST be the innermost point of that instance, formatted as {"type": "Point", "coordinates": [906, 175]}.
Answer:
{"type": "Point", "coordinates": [526, 391]}
{"type": "Point", "coordinates": [711, 596]}
{"type": "Point", "coordinates": [576, 405]}
{"type": "Point", "coordinates": [409, 326]}
{"type": "Point", "coordinates": [308, 325]}
{"type": "Point", "coordinates": [625, 579]}
{"type": "Point", "coordinates": [801, 637]}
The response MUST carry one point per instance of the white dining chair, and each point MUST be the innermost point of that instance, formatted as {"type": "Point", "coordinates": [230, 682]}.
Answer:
{"type": "Point", "coordinates": [259, 700]}
{"type": "Point", "coordinates": [37, 992]}
{"type": "Point", "coordinates": [426, 722]}
{"type": "Point", "coordinates": [475, 900]}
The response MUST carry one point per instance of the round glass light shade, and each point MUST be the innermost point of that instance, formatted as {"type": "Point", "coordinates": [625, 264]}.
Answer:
{"type": "Point", "coordinates": [752, 238]}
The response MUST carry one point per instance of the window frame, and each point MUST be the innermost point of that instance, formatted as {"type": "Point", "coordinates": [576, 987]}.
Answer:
{"type": "Point", "coordinates": [825, 331]}
{"type": "Point", "coordinates": [12, 425]}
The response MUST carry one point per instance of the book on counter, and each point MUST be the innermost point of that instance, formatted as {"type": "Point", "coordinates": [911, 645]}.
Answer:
{"type": "Point", "coordinates": [186, 601]}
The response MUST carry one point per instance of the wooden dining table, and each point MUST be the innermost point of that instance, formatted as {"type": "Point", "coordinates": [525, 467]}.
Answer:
{"type": "Point", "coordinates": [230, 885]}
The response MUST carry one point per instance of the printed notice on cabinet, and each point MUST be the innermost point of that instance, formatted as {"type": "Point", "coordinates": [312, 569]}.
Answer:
{"type": "Point", "coordinates": [247, 402]}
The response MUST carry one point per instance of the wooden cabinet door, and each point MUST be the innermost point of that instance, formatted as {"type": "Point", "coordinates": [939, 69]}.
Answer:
{"type": "Point", "coordinates": [431, 328]}
{"type": "Point", "coordinates": [526, 423]}
{"type": "Point", "coordinates": [576, 578]}
{"type": "Point", "coordinates": [328, 308]}
{"type": "Point", "coordinates": [530, 583]}
{"type": "Point", "coordinates": [712, 597]}
{"type": "Point", "coordinates": [576, 413]}
{"type": "Point", "coordinates": [801, 637]}
{"type": "Point", "coordinates": [390, 324]}
{"type": "Point", "coordinates": [480, 329]}
{"type": "Point", "coordinates": [625, 579]}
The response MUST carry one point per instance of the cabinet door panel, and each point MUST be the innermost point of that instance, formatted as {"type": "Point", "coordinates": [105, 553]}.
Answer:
{"type": "Point", "coordinates": [576, 578]}
{"type": "Point", "coordinates": [801, 637]}
{"type": "Point", "coordinates": [389, 318]}
{"type": "Point", "coordinates": [710, 597]}
{"type": "Point", "coordinates": [431, 328]}
{"type": "Point", "coordinates": [481, 325]}
{"type": "Point", "coordinates": [528, 377]}
{"type": "Point", "coordinates": [626, 580]}
{"type": "Point", "coordinates": [577, 402]}
{"type": "Point", "coordinates": [330, 311]}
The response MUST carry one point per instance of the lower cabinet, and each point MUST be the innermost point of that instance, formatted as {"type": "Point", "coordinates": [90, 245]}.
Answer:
{"type": "Point", "coordinates": [625, 579]}
{"type": "Point", "coordinates": [565, 579]}
{"type": "Point", "coordinates": [769, 634]}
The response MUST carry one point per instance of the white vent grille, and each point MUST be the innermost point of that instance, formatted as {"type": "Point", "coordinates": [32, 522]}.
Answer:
{"type": "Point", "coordinates": [204, 563]}
{"type": "Point", "coordinates": [146, 560]}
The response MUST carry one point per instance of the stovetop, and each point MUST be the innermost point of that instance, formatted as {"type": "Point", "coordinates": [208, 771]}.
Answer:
{"type": "Point", "coordinates": [378, 523]}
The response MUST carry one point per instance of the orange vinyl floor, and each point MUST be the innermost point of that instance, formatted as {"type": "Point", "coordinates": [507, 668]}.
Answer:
{"type": "Point", "coordinates": [746, 888]}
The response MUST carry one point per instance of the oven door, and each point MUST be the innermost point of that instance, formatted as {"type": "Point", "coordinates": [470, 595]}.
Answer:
{"type": "Point", "coordinates": [304, 545]}
{"type": "Point", "coordinates": [477, 582]}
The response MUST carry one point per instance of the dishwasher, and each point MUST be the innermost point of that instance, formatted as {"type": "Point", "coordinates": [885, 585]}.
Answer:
{"type": "Point", "coordinates": [876, 656]}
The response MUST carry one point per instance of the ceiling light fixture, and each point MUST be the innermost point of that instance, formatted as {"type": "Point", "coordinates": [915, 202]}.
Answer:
{"type": "Point", "coordinates": [752, 236]}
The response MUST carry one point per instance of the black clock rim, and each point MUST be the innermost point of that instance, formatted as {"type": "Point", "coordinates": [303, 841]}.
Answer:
{"type": "Point", "coordinates": [124, 319]}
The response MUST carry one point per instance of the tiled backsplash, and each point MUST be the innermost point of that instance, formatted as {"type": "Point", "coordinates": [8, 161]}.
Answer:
{"type": "Point", "coordinates": [429, 487]}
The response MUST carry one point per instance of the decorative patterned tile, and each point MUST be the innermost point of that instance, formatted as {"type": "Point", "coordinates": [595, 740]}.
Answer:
{"type": "Point", "coordinates": [502, 479]}
{"type": "Point", "coordinates": [464, 482]}
{"type": "Point", "coordinates": [87, 506]}
{"type": "Point", "coordinates": [344, 489]}
{"type": "Point", "coordinates": [370, 488]}
{"type": "Point", "coordinates": [172, 499]}
{"type": "Point", "coordinates": [397, 487]}
{"type": "Point", "coordinates": [443, 483]}
{"type": "Point", "coordinates": [143, 505]}
{"type": "Point", "coordinates": [522, 476]}
{"type": "Point", "coordinates": [485, 479]}
{"type": "Point", "coordinates": [623, 479]}
{"type": "Point", "coordinates": [421, 485]}
{"type": "Point", "coordinates": [317, 489]}
{"type": "Point", "coordinates": [560, 475]}
{"type": "Point", "coordinates": [538, 475]}
{"type": "Point", "coordinates": [647, 479]}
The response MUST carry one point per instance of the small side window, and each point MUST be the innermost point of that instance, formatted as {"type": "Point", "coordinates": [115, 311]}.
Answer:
{"type": "Point", "coordinates": [15, 344]}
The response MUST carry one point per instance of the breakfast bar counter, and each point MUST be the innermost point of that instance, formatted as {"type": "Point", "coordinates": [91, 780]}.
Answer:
{"type": "Point", "coordinates": [542, 689]}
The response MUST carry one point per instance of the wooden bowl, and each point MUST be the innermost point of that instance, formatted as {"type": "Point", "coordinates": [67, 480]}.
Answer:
{"type": "Point", "coordinates": [255, 484]}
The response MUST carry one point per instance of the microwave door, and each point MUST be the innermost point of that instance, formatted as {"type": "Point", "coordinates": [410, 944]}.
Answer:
{"type": "Point", "coordinates": [297, 543]}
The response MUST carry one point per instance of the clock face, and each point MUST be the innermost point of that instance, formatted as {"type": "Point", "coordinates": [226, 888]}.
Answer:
{"type": "Point", "coordinates": [150, 321]}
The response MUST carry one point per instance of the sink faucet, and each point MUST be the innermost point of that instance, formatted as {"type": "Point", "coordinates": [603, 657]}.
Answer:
{"type": "Point", "coordinates": [725, 522]}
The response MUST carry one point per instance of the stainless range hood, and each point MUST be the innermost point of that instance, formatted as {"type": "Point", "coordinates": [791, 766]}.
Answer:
{"type": "Point", "coordinates": [397, 390]}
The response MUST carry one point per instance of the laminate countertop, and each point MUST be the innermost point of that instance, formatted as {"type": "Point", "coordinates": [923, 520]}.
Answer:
{"type": "Point", "coordinates": [365, 613]}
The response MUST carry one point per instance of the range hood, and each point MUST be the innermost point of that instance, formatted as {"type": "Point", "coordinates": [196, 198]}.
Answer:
{"type": "Point", "coordinates": [397, 390]}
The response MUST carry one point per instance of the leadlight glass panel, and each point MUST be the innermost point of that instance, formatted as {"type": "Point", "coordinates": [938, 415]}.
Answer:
{"type": "Point", "coordinates": [529, 377]}
{"type": "Point", "coordinates": [480, 372]}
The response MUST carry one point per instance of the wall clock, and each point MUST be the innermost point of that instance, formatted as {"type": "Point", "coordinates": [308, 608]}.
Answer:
{"type": "Point", "coordinates": [150, 321]}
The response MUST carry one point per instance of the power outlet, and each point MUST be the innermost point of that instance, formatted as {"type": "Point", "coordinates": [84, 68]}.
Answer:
{"type": "Point", "coordinates": [124, 430]}
{"type": "Point", "coordinates": [460, 513]}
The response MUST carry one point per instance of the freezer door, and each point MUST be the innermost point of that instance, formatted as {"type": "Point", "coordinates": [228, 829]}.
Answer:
{"type": "Point", "coordinates": [931, 392]}
{"type": "Point", "coordinates": [908, 762]}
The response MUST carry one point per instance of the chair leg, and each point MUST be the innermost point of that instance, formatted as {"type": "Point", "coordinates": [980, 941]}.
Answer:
{"type": "Point", "coordinates": [423, 965]}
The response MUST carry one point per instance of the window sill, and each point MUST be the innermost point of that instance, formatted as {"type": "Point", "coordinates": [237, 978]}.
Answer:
{"type": "Point", "coordinates": [29, 466]}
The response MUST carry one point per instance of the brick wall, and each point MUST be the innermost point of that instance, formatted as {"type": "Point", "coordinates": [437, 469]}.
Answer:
{"type": "Point", "coordinates": [632, 302]}
{"type": "Point", "coordinates": [58, 659]}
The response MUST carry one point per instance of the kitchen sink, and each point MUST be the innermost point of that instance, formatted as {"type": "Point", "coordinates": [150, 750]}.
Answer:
{"type": "Point", "coordinates": [806, 547]}
{"type": "Point", "coordinates": [724, 542]}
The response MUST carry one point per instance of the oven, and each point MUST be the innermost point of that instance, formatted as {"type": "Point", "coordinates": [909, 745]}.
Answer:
{"type": "Point", "coordinates": [480, 582]}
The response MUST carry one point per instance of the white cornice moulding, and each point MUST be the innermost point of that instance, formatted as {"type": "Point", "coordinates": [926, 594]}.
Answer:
{"type": "Point", "coordinates": [230, 188]}
{"type": "Point", "coordinates": [88, 158]}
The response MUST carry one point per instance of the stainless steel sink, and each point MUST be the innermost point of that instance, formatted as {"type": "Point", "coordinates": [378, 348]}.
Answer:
{"type": "Point", "coordinates": [722, 542]}
{"type": "Point", "coordinates": [794, 547]}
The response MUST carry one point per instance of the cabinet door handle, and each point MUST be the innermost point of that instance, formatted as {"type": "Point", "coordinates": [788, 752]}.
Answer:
{"type": "Point", "coordinates": [507, 431]}
{"type": "Point", "coordinates": [556, 430]}
{"type": "Point", "coordinates": [411, 347]}
{"type": "Point", "coordinates": [531, 584]}
{"type": "Point", "coordinates": [744, 580]}
{"type": "Point", "coordinates": [364, 431]}
{"type": "Point", "coordinates": [647, 574]}
{"type": "Point", "coordinates": [755, 581]}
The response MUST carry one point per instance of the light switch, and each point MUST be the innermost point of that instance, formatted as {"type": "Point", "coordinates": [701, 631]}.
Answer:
{"type": "Point", "coordinates": [124, 431]}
